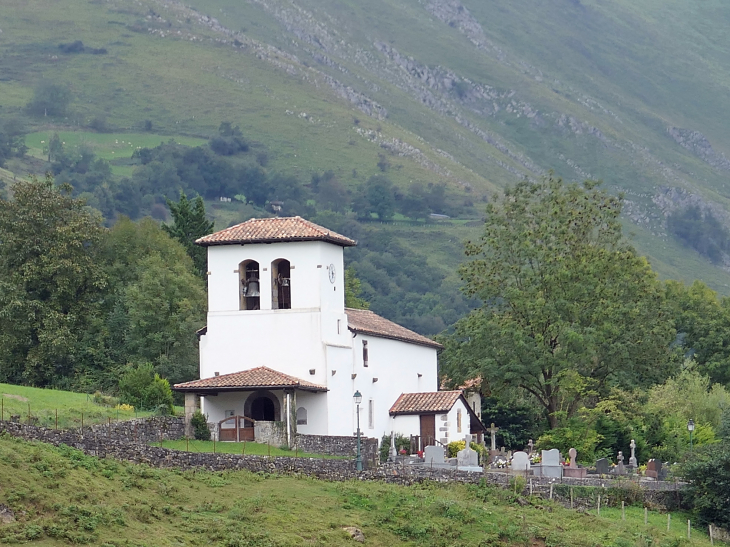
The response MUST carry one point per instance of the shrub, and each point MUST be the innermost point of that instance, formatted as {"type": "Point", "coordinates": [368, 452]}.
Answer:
{"type": "Point", "coordinates": [454, 448]}
{"type": "Point", "coordinates": [708, 472]}
{"type": "Point", "coordinates": [200, 426]}
{"type": "Point", "coordinates": [142, 388]}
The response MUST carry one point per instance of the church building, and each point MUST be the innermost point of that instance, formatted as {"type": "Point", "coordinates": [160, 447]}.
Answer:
{"type": "Point", "coordinates": [281, 351]}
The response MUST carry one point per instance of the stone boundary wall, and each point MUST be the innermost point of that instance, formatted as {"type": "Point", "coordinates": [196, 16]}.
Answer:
{"type": "Point", "coordinates": [97, 443]}
{"type": "Point", "coordinates": [339, 446]}
{"type": "Point", "coordinates": [141, 430]}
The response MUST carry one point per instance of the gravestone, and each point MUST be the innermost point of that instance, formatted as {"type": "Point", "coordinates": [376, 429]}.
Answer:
{"type": "Point", "coordinates": [663, 470]}
{"type": "Point", "coordinates": [632, 459]}
{"type": "Point", "coordinates": [602, 466]}
{"type": "Point", "coordinates": [654, 469]}
{"type": "Point", "coordinates": [620, 467]}
{"type": "Point", "coordinates": [530, 446]}
{"type": "Point", "coordinates": [392, 451]}
{"type": "Point", "coordinates": [434, 455]}
{"type": "Point", "coordinates": [467, 457]}
{"type": "Point", "coordinates": [493, 431]}
{"type": "Point", "coordinates": [573, 453]}
{"type": "Point", "coordinates": [520, 463]}
{"type": "Point", "coordinates": [573, 471]}
{"type": "Point", "coordinates": [550, 466]}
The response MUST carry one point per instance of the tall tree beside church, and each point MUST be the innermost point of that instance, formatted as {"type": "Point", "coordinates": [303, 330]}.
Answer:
{"type": "Point", "coordinates": [569, 308]}
{"type": "Point", "coordinates": [189, 224]}
{"type": "Point", "coordinates": [50, 282]}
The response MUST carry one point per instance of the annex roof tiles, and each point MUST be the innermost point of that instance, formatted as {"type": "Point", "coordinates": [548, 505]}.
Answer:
{"type": "Point", "coordinates": [420, 403]}
{"type": "Point", "coordinates": [274, 230]}
{"type": "Point", "coordinates": [367, 322]}
{"type": "Point", "coordinates": [255, 378]}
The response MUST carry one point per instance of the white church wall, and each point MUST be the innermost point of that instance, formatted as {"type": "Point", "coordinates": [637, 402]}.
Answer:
{"type": "Point", "coordinates": [214, 407]}
{"type": "Point", "coordinates": [287, 340]}
{"type": "Point", "coordinates": [397, 366]}
{"type": "Point", "coordinates": [454, 434]}
{"type": "Point", "coordinates": [406, 425]}
{"type": "Point", "coordinates": [341, 411]}
{"type": "Point", "coordinates": [316, 407]}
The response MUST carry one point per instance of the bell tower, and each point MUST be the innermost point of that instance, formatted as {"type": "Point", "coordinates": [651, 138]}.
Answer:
{"type": "Point", "coordinates": [276, 298]}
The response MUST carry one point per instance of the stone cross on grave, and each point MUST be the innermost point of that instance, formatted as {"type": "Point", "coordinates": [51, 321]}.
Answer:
{"type": "Point", "coordinates": [530, 446]}
{"type": "Point", "coordinates": [493, 431]}
{"type": "Point", "coordinates": [632, 459]}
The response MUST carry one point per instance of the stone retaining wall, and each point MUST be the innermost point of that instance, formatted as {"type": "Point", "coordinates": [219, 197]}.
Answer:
{"type": "Point", "coordinates": [339, 446]}
{"type": "Point", "coordinates": [142, 430]}
{"type": "Point", "coordinates": [97, 442]}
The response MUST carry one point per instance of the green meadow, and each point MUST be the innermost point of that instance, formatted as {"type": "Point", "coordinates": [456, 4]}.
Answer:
{"type": "Point", "coordinates": [58, 496]}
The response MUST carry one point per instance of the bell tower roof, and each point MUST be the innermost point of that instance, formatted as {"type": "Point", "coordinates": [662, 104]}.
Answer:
{"type": "Point", "coordinates": [274, 230]}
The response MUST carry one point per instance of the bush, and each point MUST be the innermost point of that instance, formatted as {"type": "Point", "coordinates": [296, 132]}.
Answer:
{"type": "Point", "coordinates": [143, 389]}
{"type": "Point", "coordinates": [200, 426]}
{"type": "Point", "coordinates": [708, 472]}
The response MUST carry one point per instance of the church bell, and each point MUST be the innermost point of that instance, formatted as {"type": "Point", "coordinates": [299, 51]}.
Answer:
{"type": "Point", "coordinates": [251, 289]}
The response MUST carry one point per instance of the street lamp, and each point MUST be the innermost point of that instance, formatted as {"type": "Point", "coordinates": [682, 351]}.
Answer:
{"type": "Point", "coordinates": [690, 428]}
{"type": "Point", "coordinates": [358, 399]}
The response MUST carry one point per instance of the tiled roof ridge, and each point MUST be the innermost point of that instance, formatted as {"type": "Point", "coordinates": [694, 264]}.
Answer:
{"type": "Point", "coordinates": [369, 322]}
{"type": "Point", "coordinates": [274, 229]}
{"type": "Point", "coordinates": [277, 379]}
{"type": "Point", "coordinates": [429, 401]}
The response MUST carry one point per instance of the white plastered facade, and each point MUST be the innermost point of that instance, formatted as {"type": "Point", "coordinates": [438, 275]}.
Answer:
{"type": "Point", "coordinates": [311, 341]}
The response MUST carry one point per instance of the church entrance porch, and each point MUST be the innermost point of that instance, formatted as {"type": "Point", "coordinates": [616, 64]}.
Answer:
{"type": "Point", "coordinates": [258, 404]}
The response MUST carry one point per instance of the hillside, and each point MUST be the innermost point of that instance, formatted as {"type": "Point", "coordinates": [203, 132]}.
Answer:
{"type": "Point", "coordinates": [473, 94]}
{"type": "Point", "coordinates": [57, 496]}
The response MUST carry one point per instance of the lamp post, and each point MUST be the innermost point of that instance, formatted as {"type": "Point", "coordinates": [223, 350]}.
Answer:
{"type": "Point", "coordinates": [690, 428]}
{"type": "Point", "coordinates": [358, 399]}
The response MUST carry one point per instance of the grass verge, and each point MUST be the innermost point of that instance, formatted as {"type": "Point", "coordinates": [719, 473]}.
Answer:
{"type": "Point", "coordinates": [247, 448]}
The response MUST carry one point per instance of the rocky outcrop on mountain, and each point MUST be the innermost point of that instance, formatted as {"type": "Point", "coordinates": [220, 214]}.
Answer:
{"type": "Point", "coordinates": [697, 143]}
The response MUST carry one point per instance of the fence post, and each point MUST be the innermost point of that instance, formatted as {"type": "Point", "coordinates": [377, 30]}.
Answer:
{"type": "Point", "coordinates": [712, 539]}
{"type": "Point", "coordinates": [669, 520]}
{"type": "Point", "coordinates": [244, 448]}
{"type": "Point", "coordinates": [56, 419]}
{"type": "Point", "coordinates": [2, 411]}
{"type": "Point", "coordinates": [28, 413]}
{"type": "Point", "coordinates": [599, 505]}
{"type": "Point", "coordinates": [571, 497]}
{"type": "Point", "coordinates": [646, 516]}
{"type": "Point", "coordinates": [689, 529]}
{"type": "Point", "coordinates": [187, 444]}
{"type": "Point", "coordinates": [551, 490]}
{"type": "Point", "coordinates": [623, 510]}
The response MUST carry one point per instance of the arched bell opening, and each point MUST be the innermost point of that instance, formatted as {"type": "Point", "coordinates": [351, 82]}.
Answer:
{"type": "Point", "coordinates": [280, 285]}
{"type": "Point", "coordinates": [250, 296]}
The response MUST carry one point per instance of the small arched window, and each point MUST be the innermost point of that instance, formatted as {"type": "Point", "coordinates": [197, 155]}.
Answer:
{"type": "Point", "coordinates": [280, 285]}
{"type": "Point", "coordinates": [250, 287]}
{"type": "Point", "coordinates": [301, 416]}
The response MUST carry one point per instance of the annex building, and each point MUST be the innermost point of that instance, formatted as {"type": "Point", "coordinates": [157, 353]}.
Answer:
{"type": "Point", "coordinates": [280, 351]}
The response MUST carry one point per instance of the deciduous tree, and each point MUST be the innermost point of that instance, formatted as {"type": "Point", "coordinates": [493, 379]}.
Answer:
{"type": "Point", "coordinates": [569, 308]}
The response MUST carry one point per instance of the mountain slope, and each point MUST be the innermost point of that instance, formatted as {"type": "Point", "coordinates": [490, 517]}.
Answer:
{"type": "Point", "coordinates": [475, 93]}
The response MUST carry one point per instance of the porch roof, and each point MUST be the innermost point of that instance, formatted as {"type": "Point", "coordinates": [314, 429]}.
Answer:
{"type": "Point", "coordinates": [435, 402]}
{"type": "Point", "coordinates": [246, 380]}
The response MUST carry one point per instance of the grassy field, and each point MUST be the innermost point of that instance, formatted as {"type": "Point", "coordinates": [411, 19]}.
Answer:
{"type": "Point", "coordinates": [59, 496]}
{"type": "Point", "coordinates": [42, 404]}
{"type": "Point", "coordinates": [108, 146]}
{"type": "Point", "coordinates": [251, 448]}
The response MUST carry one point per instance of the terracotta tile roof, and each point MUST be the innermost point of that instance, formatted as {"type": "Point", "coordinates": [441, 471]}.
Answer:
{"type": "Point", "coordinates": [273, 230]}
{"type": "Point", "coordinates": [366, 322]}
{"type": "Point", "coordinates": [255, 378]}
{"type": "Point", "coordinates": [418, 403]}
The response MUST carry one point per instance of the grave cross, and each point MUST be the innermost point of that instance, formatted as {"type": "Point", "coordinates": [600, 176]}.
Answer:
{"type": "Point", "coordinates": [632, 459]}
{"type": "Point", "coordinates": [493, 431]}
{"type": "Point", "coordinates": [530, 446]}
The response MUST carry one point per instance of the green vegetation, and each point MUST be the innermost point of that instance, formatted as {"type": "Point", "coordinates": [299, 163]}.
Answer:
{"type": "Point", "coordinates": [44, 403]}
{"type": "Point", "coordinates": [79, 302]}
{"type": "Point", "coordinates": [243, 448]}
{"type": "Point", "coordinates": [59, 497]}
{"type": "Point", "coordinates": [141, 387]}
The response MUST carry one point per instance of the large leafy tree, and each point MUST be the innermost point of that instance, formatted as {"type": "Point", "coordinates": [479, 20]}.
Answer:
{"type": "Point", "coordinates": [50, 282]}
{"type": "Point", "coordinates": [155, 302]}
{"type": "Point", "coordinates": [190, 223]}
{"type": "Point", "coordinates": [569, 308]}
{"type": "Point", "coordinates": [702, 321]}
